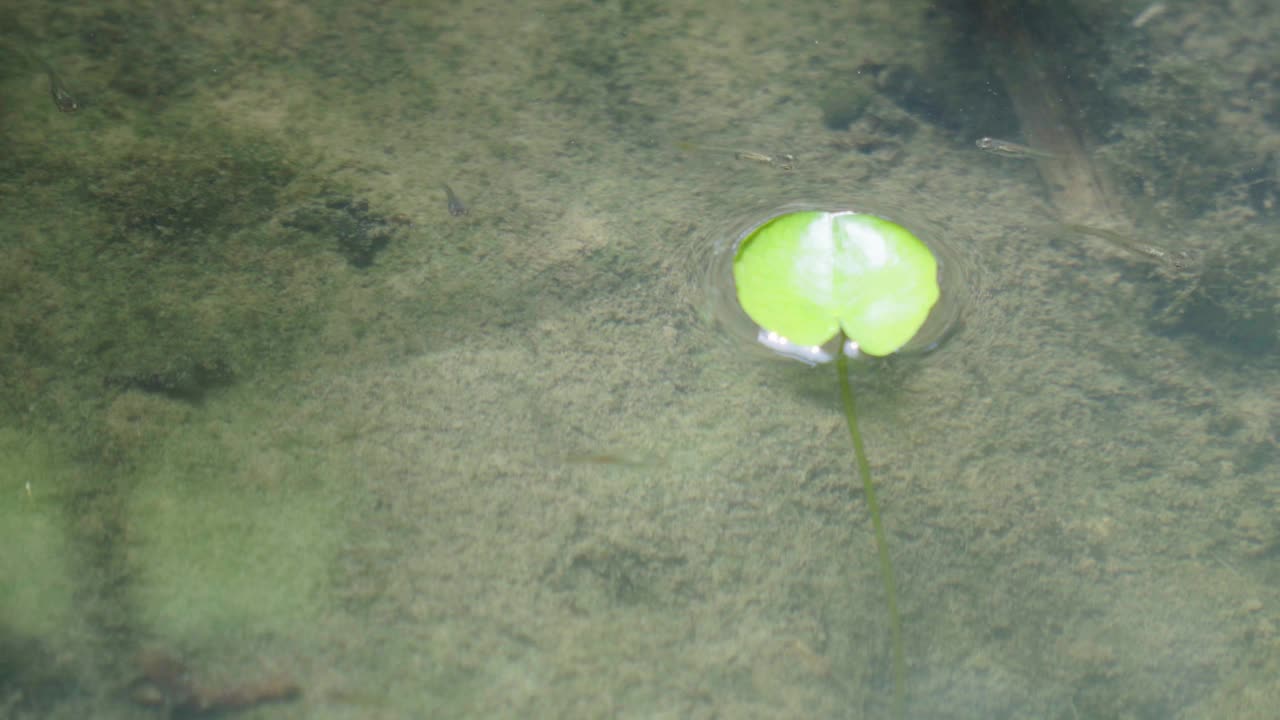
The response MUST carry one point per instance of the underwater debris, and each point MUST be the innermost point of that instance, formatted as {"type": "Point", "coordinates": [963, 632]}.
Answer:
{"type": "Point", "coordinates": [185, 379]}
{"type": "Point", "coordinates": [456, 206]}
{"type": "Point", "coordinates": [361, 234]}
{"type": "Point", "coordinates": [166, 684]}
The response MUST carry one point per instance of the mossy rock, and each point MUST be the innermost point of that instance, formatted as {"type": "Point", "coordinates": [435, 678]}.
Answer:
{"type": "Point", "coordinates": [1233, 301]}
{"type": "Point", "coordinates": [183, 194]}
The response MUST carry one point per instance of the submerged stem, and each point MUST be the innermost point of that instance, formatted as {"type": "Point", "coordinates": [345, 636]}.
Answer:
{"type": "Point", "coordinates": [882, 545]}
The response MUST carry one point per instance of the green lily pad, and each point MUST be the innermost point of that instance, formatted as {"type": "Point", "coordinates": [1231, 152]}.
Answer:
{"type": "Point", "coordinates": [809, 275]}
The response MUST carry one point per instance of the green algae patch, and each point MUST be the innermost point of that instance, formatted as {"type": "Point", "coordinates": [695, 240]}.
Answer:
{"type": "Point", "coordinates": [152, 259]}
{"type": "Point", "coordinates": [230, 539]}
{"type": "Point", "coordinates": [36, 568]}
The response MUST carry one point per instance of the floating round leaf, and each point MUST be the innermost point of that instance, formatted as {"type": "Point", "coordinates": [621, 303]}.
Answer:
{"type": "Point", "coordinates": [808, 275]}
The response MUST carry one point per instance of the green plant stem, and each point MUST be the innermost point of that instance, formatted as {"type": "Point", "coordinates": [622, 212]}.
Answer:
{"type": "Point", "coordinates": [882, 545]}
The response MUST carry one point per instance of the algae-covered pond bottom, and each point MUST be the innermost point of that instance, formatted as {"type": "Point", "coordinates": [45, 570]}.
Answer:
{"type": "Point", "coordinates": [285, 435]}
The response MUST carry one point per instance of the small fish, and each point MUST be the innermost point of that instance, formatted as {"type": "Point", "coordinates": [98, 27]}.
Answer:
{"type": "Point", "coordinates": [782, 161]}
{"type": "Point", "coordinates": [1176, 262]}
{"type": "Point", "coordinates": [626, 459]}
{"type": "Point", "coordinates": [456, 208]}
{"type": "Point", "coordinates": [1153, 11]}
{"type": "Point", "coordinates": [62, 98]}
{"type": "Point", "coordinates": [753, 156]}
{"type": "Point", "coordinates": [1004, 148]}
